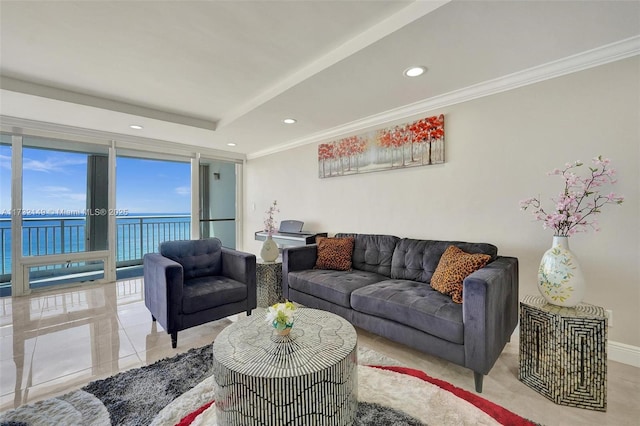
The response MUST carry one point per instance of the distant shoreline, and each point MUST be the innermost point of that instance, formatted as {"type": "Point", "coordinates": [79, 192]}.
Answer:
{"type": "Point", "coordinates": [55, 234]}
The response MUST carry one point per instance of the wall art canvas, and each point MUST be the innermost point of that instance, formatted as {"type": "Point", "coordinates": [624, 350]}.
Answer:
{"type": "Point", "coordinates": [419, 143]}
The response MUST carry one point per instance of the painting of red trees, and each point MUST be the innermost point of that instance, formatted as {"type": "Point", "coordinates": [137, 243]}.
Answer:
{"type": "Point", "coordinates": [419, 143]}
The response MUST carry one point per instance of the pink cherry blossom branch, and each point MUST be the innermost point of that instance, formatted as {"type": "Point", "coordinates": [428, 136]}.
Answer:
{"type": "Point", "coordinates": [570, 215]}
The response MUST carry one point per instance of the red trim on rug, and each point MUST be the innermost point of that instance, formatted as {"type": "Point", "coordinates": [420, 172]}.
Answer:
{"type": "Point", "coordinates": [499, 413]}
{"type": "Point", "coordinates": [189, 418]}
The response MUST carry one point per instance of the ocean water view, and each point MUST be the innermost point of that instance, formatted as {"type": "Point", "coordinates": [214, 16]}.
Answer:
{"type": "Point", "coordinates": [136, 235]}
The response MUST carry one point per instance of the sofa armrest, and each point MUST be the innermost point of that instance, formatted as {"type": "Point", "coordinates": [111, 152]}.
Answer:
{"type": "Point", "coordinates": [490, 312]}
{"type": "Point", "coordinates": [163, 280]}
{"type": "Point", "coordinates": [241, 266]}
{"type": "Point", "coordinates": [297, 259]}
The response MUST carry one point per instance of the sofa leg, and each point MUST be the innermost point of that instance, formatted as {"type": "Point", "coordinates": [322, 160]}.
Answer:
{"type": "Point", "coordinates": [477, 378]}
{"type": "Point", "coordinates": [174, 339]}
{"type": "Point", "coordinates": [249, 312]}
{"type": "Point", "coordinates": [153, 318]}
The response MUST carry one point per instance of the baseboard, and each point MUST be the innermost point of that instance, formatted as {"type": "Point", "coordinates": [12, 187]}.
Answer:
{"type": "Point", "coordinates": [623, 353]}
{"type": "Point", "coordinates": [616, 351]}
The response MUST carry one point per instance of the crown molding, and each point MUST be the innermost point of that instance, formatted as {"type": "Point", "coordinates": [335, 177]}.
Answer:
{"type": "Point", "coordinates": [582, 61]}
{"type": "Point", "coordinates": [29, 88]}
{"type": "Point", "coordinates": [28, 127]}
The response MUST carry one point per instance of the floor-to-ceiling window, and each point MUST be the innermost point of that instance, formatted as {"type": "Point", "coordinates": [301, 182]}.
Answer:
{"type": "Point", "coordinates": [5, 214]}
{"type": "Point", "coordinates": [65, 209]}
{"type": "Point", "coordinates": [86, 209]}
{"type": "Point", "coordinates": [153, 202]}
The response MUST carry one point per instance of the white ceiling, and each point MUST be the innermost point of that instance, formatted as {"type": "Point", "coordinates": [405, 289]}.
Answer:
{"type": "Point", "coordinates": [207, 73]}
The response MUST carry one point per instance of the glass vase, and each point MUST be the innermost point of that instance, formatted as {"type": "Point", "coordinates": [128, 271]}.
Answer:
{"type": "Point", "coordinates": [282, 329]}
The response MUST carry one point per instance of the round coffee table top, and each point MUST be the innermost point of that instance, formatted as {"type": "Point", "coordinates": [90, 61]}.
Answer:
{"type": "Point", "coordinates": [318, 340]}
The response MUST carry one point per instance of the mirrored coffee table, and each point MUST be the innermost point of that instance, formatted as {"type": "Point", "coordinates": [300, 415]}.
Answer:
{"type": "Point", "coordinates": [306, 378]}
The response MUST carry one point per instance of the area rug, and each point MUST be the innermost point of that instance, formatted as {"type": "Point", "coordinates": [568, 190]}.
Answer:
{"type": "Point", "coordinates": [180, 391]}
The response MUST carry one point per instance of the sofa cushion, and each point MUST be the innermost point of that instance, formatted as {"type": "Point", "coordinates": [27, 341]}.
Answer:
{"type": "Point", "coordinates": [199, 258]}
{"type": "Point", "coordinates": [417, 260]}
{"type": "Point", "coordinates": [454, 266]}
{"type": "Point", "coordinates": [208, 292]}
{"type": "Point", "coordinates": [413, 304]}
{"type": "Point", "coordinates": [334, 253]}
{"type": "Point", "coordinates": [373, 253]}
{"type": "Point", "coordinates": [332, 286]}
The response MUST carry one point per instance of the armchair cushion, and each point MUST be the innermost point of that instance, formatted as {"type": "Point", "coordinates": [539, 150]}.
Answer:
{"type": "Point", "coordinates": [199, 258]}
{"type": "Point", "coordinates": [209, 292]}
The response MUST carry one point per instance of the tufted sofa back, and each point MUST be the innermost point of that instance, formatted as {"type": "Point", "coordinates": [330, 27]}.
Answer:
{"type": "Point", "coordinates": [416, 260]}
{"type": "Point", "coordinates": [373, 253]}
{"type": "Point", "coordinates": [198, 258]}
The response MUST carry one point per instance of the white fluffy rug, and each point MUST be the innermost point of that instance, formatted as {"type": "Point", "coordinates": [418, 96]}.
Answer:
{"type": "Point", "coordinates": [432, 401]}
{"type": "Point", "coordinates": [413, 396]}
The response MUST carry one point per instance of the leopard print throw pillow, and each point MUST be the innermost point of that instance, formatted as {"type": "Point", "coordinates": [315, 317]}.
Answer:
{"type": "Point", "coordinates": [334, 253]}
{"type": "Point", "coordinates": [454, 266]}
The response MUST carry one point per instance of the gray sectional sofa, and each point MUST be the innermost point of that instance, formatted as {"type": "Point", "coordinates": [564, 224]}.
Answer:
{"type": "Point", "coordinates": [387, 292]}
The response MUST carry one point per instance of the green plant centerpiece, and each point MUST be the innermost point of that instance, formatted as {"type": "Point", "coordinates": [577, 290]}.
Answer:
{"type": "Point", "coordinates": [280, 316]}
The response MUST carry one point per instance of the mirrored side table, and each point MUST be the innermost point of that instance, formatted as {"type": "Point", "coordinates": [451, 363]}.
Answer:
{"type": "Point", "coordinates": [269, 282]}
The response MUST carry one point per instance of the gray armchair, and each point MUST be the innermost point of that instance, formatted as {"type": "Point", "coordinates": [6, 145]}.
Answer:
{"type": "Point", "coordinates": [196, 281]}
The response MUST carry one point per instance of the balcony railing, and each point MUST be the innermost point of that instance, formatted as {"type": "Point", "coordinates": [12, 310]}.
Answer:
{"type": "Point", "coordinates": [135, 236]}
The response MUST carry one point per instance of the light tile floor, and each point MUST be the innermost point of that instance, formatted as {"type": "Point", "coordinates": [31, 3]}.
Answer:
{"type": "Point", "coordinates": [58, 341]}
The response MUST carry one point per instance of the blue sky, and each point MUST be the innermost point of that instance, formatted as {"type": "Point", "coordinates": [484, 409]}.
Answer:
{"type": "Point", "coordinates": [56, 180]}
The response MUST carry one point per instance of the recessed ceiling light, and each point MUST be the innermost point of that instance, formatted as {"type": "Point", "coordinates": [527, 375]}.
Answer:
{"type": "Point", "coordinates": [289, 120]}
{"type": "Point", "coordinates": [414, 71]}
{"type": "Point", "coordinates": [231, 144]}
{"type": "Point", "coordinates": [136, 126]}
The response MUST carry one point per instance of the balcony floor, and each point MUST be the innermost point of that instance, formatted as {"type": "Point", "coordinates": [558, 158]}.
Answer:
{"type": "Point", "coordinates": [122, 273]}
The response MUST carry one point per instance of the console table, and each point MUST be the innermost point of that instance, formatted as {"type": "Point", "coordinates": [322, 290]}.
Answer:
{"type": "Point", "coordinates": [306, 378]}
{"type": "Point", "coordinates": [563, 352]}
{"type": "Point", "coordinates": [284, 239]}
{"type": "Point", "coordinates": [269, 282]}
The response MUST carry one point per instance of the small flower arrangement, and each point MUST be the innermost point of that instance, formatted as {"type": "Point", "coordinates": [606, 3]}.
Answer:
{"type": "Point", "coordinates": [580, 200]}
{"type": "Point", "coordinates": [280, 315]}
{"type": "Point", "coordinates": [270, 222]}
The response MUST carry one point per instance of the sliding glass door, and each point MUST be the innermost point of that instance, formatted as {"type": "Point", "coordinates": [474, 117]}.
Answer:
{"type": "Point", "coordinates": [153, 202]}
{"type": "Point", "coordinates": [5, 214]}
{"type": "Point", "coordinates": [218, 201]}
{"type": "Point", "coordinates": [74, 212]}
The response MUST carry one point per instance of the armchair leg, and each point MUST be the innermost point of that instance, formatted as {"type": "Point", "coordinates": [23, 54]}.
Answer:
{"type": "Point", "coordinates": [153, 318]}
{"type": "Point", "coordinates": [477, 378]}
{"type": "Point", "coordinates": [174, 339]}
{"type": "Point", "coordinates": [249, 312]}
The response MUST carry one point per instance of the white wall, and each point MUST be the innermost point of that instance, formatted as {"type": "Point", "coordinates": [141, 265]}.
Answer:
{"type": "Point", "coordinates": [498, 150]}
